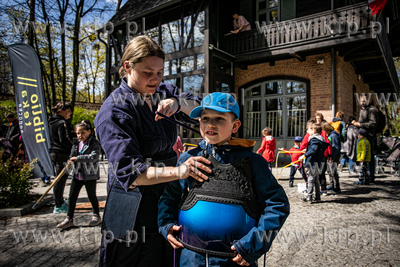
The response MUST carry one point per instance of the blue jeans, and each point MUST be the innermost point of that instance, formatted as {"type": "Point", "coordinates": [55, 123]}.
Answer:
{"type": "Point", "coordinates": [293, 170]}
{"type": "Point", "coordinates": [346, 159]}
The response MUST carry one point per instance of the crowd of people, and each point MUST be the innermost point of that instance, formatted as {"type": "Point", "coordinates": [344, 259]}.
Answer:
{"type": "Point", "coordinates": [327, 147]}
{"type": "Point", "coordinates": [157, 186]}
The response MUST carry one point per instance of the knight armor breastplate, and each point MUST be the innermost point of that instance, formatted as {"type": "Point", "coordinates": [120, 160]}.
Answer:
{"type": "Point", "coordinates": [219, 210]}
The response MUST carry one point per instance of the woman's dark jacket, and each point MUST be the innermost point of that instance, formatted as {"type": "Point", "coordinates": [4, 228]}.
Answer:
{"type": "Point", "coordinates": [60, 135]}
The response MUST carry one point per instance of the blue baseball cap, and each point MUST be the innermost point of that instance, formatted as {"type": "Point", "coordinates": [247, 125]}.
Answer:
{"type": "Point", "coordinates": [298, 139]}
{"type": "Point", "coordinates": [221, 102]}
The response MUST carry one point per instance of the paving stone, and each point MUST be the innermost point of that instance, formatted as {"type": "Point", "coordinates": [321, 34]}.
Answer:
{"type": "Point", "coordinates": [359, 227]}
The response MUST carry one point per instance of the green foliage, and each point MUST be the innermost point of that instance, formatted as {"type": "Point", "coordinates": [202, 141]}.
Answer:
{"type": "Point", "coordinates": [14, 183]}
{"type": "Point", "coordinates": [81, 114]}
{"type": "Point", "coordinates": [7, 107]}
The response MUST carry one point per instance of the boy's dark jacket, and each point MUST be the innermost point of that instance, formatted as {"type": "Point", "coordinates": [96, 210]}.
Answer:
{"type": "Point", "coordinates": [88, 162]}
{"type": "Point", "coordinates": [315, 151]}
{"type": "Point", "coordinates": [60, 135]}
{"type": "Point", "coordinates": [335, 142]}
{"type": "Point", "coordinates": [252, 246]}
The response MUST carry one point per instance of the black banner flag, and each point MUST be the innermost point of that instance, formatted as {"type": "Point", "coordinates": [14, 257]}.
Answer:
{"type": "Point", "coordinates": [31, 105]}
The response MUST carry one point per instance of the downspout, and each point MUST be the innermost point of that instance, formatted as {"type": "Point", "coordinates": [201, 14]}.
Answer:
{"type": "Point", "coordinates": [333, 81]}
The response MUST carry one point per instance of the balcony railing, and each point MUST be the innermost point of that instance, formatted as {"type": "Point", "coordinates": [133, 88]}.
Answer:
{"type": "Point", "coordinates": [348, 21]}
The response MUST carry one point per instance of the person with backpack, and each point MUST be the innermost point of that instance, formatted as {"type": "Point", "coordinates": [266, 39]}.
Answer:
{"type": "Point", "coordinates": [339, 126]}
{"type": "Point", "coordinates": [349, 147]}
{"type": "Point", "coordinates": [369, 121]}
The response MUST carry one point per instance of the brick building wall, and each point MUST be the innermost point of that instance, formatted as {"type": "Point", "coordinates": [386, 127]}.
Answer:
{"type": "Point", "coordinates": [320, 77]}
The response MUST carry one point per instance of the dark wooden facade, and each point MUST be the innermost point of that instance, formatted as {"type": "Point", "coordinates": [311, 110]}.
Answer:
{"type": "Point", "coordinates": [202, 57]}
{"type": "Point", "coordinates": [302, 28]}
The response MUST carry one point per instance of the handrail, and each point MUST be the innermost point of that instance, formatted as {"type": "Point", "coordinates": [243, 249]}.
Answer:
{"type": "Point", "coordinates": [339, 23]}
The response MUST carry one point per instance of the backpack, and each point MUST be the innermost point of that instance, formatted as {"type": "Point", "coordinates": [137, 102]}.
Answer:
{"type": "Point", "coordinates": [337, 126]}
{"type": "Point", "coordinates": [381, 122]}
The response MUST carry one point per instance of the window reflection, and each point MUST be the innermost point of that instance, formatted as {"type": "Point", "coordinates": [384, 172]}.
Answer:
{"type": "Point", "coordinates": [171, 81]}
{"type": "Point", "coordinates": [267, 10]}
{"type": "Point", "coordinates": [296, 115]}
{"type": "Point", "coordinates": [273, 16]}
{"type": "Point", "coordinates": [274, 87]}
{"type": "Point", "coordinates": [222, 87]}
{"type": "Point", "coordinates": [273, 3]}
{"type": "Point", "coordinates": [273, 115]}
{"type": "Point", "coordinates": [252, 118]}
{"type": "Point", "coordinates": [295, 87]}
{"type": "Point", "coordinates": [200, 61]}
{"type": "Point", "coordinates": [176, 66]}
{"type": "Point", "coordinates": [193, 83]}
{"type": "Point", "coordinates": [283, 108]}
{"type": "Point", "coordinates": [170, 36]}
{"type": "Point", "coordinates": [166, 68]}
{"type": "Point", "coordinates": [187, 64]}
{"type": "Point", "coordinates": [199, 30]}
{"type": "Point", "coordinates": [253, 92]}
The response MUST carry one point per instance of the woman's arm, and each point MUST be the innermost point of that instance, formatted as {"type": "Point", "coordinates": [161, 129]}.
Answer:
{"type": "Point", "coordinates": [167, 174]}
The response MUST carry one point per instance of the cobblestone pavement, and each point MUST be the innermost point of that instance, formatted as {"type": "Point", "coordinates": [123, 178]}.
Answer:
{"type": "Point", "coordinates": [359, 227]}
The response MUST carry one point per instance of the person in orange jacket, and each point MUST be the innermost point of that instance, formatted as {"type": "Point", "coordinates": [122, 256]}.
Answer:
{"type": "Point", "coordinates": [268, 146]}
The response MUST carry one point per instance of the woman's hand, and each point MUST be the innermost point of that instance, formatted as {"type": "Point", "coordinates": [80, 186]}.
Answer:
{"type": "Point", "coordinates": [171, 238]}
{"type": "Point", "coordinates": [168, 107]}
{"type": "Point", "coordinates": [238, 259]}
{"type": "Point", "coordinates": [72, 160]}
{"type": "Point", "coordinates": [192, 168]}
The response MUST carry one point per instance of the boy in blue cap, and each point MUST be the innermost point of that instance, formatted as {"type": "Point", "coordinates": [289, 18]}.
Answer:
{"type": "Point", "coordinates": [224, 220]}
{"type": "Point", "coordinates": [295, 154]}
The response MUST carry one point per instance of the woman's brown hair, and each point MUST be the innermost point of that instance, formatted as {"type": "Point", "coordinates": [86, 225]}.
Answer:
{"type": "Point", "coordinates": [138, 49]}
{"type": "Point", "coordinates": [60, 106]}
{"type": "Point", "coordinates": [319, 115]}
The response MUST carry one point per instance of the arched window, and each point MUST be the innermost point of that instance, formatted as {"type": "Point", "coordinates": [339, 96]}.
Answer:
{"type": "Point", "coordinates": [280, 104]}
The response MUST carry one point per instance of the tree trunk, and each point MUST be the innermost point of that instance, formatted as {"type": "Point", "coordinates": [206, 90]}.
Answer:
{"type": "Point", "coordinates": [51, 60]}
{"type": "Point", "coordinates": [63, 9]}
{"type": "Point", "coordinates": [79, 14]}
{"type": "Point", "coordinates": [75, 51]}
{"type": "Point", "coordinates": [45, 83]}
{"type": "Point", "coordinates": [31, 29]}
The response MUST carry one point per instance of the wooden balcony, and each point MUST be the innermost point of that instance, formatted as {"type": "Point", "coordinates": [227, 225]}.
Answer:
{"type": "Point", "coordinates": [351, 30]}
{"type": "Point", "coordinates": [341, 25]}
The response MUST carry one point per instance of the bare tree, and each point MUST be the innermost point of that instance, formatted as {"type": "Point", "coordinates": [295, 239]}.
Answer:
{"type": "Point", "coordinates": [31, 30]}
{"type": "Point", "coordinates": [50, 52]}
{"type": "Point", "coordinates": [79, 14]}
{"type": "Point", "coordinates": [62, 7]}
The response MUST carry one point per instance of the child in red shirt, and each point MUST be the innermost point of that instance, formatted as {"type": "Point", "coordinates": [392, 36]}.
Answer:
{"type": "Point", "coordinates": [295, 157]}
{"type": "Point", "coordinates": [268, 146]}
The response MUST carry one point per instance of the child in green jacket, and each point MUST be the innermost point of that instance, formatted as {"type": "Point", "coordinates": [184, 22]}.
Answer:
{"type": "Point", "coordinates": [363, 156]}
